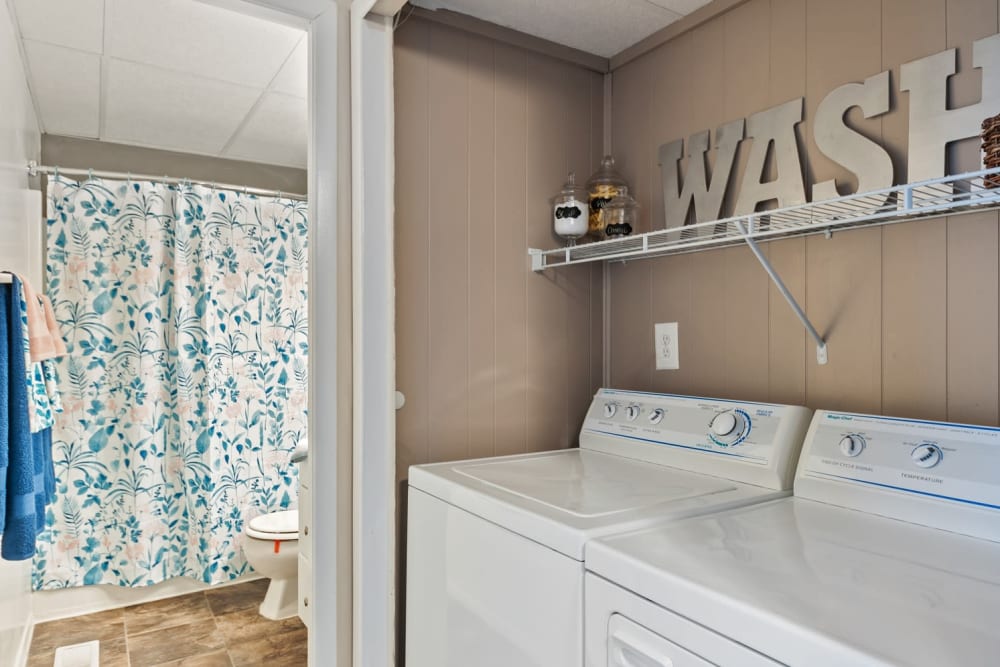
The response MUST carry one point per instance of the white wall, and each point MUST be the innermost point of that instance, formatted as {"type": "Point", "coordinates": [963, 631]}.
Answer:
{"type": "Point", "coordinates": [20, 250]}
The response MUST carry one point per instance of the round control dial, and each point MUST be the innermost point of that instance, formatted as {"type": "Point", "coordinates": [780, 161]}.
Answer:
{"type": "Point", "coordinates": [927, 455]}
{"type": "Point", "coordinates": [656, 416]}
{"type": "Point", "coordinates": [610, 409]}
{"type": "Point", "coordinates": [631, 412]}
{"type": "Point", "coordinates": [729, 427]}
{"type": "Point", "coordinates": [852, 445]}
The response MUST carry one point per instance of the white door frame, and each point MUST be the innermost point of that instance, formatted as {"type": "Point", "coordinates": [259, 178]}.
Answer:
{"type": "Point", "coordinates": [352, 323]}
{"type": "Point", "coordinates": [372, 179]}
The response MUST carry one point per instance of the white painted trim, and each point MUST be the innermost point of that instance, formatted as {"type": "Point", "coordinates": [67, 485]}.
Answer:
{"type": "Point", "coordinates": [372, 134]}
{"type": "Point", "coordinates": [21, 659]}
{"type": "Point", "coordinates": [330, 447]}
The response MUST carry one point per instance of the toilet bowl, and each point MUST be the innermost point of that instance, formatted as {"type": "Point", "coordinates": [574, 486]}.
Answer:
{"type": "Point", "coordinates": [272, 549]}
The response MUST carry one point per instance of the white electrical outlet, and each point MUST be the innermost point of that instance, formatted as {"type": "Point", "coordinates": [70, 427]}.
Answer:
{"type": "Point", "coordinates": [668, 356]}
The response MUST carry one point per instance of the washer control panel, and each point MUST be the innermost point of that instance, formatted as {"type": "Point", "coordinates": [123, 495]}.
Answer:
{"type": "Point", "coordinates": [885, 465]}
{"type": "Point", "coordinates": [694, 433]}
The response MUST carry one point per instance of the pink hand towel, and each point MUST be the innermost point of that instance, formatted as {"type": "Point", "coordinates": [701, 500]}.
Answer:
{"type": "Point", "coordinates": [59, 345]}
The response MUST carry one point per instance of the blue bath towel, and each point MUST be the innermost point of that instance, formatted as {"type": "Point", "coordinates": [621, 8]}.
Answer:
{"type": "Point", "coordinates": [28, 456]}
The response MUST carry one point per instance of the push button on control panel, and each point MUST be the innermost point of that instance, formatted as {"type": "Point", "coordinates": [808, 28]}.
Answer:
{"type": "Point", "coordinates": [927, 455]}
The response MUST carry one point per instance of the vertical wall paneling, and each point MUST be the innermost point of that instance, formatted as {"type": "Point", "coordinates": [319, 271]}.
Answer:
{"type": "Point", "coordinates": [909, 311]}
{"type": "Point", "coordinates": [914, 311]}
{"type": "Point", "coordinates": [844, 301]}
{"type": "Point", "coordinates": [492, 358]}
{"type": "Point", "coordinates": [967, 21]}
{"type": "Point", "coordinates": [671, 277]}
{"type": "Point", "coordinates": [481, 215]}
{"type": "Point", "coordinates": [911, 29]}
{"type": "Point", "coordinates": [787, 41]}
{"type": "Point", "coordinates": [843, 45]}
{"type": "Point", "coordinates": [412, 233]}
{"type": "Point", "coordinates": [546, 410]}
{"type": "Point", "coordinates": [631, 327]}
{"type": "Point", "coordinates": [972, 340]}
{"type": "Point", "coordinates": [745, 300]}
{"type": "Point", "coordinates": [510, 238]}
{"type": "Point", "coordinates": [448, 243]}
{"type": "Point", "coordinates": [670, 112]}
{"type": "Point", "coordinates": [789, 347]}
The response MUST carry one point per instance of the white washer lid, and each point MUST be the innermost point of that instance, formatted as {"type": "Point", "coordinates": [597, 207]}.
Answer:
{"type": "Point", "coordinates": [276, 525]}
{"type": "Point", "coordinates": [563, 499]}
{"type": "Point", "coordinates": [807, 583]}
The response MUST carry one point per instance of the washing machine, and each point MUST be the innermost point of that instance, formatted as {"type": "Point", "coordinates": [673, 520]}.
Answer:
{"type": "Point", "coordinates": [495, 546]}
{"type": "Point", "coordinates": [888, 553]}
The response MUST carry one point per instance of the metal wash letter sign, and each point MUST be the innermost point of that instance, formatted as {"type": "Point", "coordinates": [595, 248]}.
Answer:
{"type": "Point", "coordinates": [932, 126]}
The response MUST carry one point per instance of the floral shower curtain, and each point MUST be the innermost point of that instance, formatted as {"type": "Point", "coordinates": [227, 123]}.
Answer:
{"type": "Point", "coordinates": [184, 390]}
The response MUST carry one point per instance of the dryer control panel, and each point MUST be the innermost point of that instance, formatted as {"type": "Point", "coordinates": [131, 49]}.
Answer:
{"type": "Point", "coordinates": [756, 443]}
{"type": "Point", "coordinates": [932, 473]}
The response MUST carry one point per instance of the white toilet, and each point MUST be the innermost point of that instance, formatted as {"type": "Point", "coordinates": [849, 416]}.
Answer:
{"type": "Point", "coordinates": [272, 549]}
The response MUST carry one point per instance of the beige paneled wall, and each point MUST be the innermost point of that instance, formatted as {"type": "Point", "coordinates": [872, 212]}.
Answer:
{"type": "Point", "coordinates": [492, 358]}
{"type": "Point", "coordinates": [910, 311]}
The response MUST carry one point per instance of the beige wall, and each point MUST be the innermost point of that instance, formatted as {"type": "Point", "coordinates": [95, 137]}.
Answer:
{"type": "Point", "coordinates": [492, 358]}
{"type": "Point", "coordinates": [910, 311]}
{"type": "Point", "coordinates": [60, 151]}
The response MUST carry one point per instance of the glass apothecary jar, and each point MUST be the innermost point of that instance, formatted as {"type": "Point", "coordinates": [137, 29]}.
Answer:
{"type": "Point", "coordinates": [621, 215]}
{"type": "Point", "coordinates": [603, 186]}
{"type": "Point", "coordinates": [569, 211]}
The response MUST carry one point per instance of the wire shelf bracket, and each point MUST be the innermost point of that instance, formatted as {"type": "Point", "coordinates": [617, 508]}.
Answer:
{"type": "Point", "coordinates": [949, 195]}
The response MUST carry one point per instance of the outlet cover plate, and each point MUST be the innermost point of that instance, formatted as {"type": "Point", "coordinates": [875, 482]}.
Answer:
{"type": "Point", "coordinates": [667, 346]}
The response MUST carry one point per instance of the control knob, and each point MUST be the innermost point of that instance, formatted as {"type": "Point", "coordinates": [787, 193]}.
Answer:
{"type": "Point", "coordinates": [656, 416]}
{"type": "Point", "coordinates": [927, 455]}
{"type": "Point", "coordinates": [631, 412]}
{"type": "Point", "coordinates": [852, 445]}
{"type": "Point", "coordinates": [609, 410]}
{"type": "Point", "coordinates": [728, 427]}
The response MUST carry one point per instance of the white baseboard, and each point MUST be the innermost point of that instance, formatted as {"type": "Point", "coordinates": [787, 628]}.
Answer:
{"type": "Point", "coordinates": [22, 650]}
{"type": "Point", "coordinates": [69, 602]}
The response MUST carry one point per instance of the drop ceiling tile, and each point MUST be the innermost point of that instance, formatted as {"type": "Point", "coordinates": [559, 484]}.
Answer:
{"type": "Point", "coordinates": [601, 27]}
{"type": "Point", "coordinates": [77, 24]}
{"type": "Point", "coordinates": [201, 39]}
{"type": "Point", "coordinates": [275, 133]}
{"type": "Point", "coordinates": [155, 107]}
{"type": "Point", "coordinates": [66, 85]}
{"type": "Point", "coordinates": [293, 79]}
{"type": "Point", "coordinates": [683, 7]}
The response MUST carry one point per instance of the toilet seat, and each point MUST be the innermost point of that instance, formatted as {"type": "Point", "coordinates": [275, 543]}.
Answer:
{"type": "Point", "coordinates": [276, 526]}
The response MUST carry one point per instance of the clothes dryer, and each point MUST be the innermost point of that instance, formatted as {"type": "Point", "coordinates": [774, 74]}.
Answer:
{"type": "Point", "coordinates": [887, 554]}
{"type": "Point", "coordinates": [495, 546]}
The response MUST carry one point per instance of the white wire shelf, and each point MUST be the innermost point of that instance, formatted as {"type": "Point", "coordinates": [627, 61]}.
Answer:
{"type": "Point", "coordinates": [936, 197]}
{"type": "Point", "coordinates": [963, 193]}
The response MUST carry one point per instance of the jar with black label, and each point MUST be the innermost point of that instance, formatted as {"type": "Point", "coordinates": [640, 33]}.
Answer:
{"type": "Point", "coordinates": [621, 215]}
{"type": "Point", "coordinates": [602, 187]}
{"type": "Point", "coordinates": [569, 211]}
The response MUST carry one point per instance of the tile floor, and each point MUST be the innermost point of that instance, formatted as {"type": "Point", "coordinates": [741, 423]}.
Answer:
{"type": "Point", "coordinates": [215, 628]}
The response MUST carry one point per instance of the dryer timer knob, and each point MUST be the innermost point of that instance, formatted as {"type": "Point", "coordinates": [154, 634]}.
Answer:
{"type": "Point", "coordinates": [727, 423]}
{"type": "Point", "coordinates": [852, 445]}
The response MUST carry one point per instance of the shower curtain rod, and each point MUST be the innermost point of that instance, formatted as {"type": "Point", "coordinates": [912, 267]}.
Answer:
{"type": "Point", "coordinates": [36, 169]}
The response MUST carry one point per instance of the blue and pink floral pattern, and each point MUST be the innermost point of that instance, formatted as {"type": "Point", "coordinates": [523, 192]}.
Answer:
{"type": "Point", "coordinates": [184, 390]}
